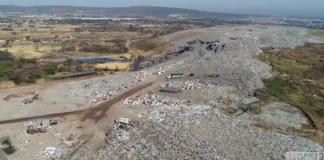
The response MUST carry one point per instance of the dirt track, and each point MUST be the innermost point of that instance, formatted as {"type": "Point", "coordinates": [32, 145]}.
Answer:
{"type": "Point", "coordinates": [94, 113]}
{"type": "Point", "coordinates": [99, 111]}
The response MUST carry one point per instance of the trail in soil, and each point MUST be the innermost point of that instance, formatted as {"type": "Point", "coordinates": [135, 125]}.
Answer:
{"type": "Point", "coordinates": [94, 113]}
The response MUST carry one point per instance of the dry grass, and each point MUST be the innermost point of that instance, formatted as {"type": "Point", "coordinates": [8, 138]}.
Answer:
{"type": "Point", "coordinates": [40, 81]}
{"type": "Point", "coordinates": [7, 84]}
{"type": "Point", "coordinates": [5, 35]}
{"type": "Point", "coordinates": [148, 47]}
{"type": "Point", "coordinates": [27, 49]}
{"type": "Point", "coordinates": [31, 51]}
{"type": "Point", "coordinates": [114, 66]}
{"type": "Point", "coordinates": [183, 36]}
{"type": "Point", "coordinates": [317, 32]}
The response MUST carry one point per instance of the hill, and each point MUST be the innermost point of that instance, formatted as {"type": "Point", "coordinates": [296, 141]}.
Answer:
{"type": "Point", "coordinates": [135, 11]}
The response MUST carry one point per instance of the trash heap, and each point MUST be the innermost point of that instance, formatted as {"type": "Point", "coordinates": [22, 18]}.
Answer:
{"type": "Point", "coordinates": [52, 153]}
{"type": "Point", "coordinates": [40, 127]}
{"type": "Point", "coordinates": [33, 99]}
{"type": "Point", "coordinates": [122, 131]}
{"type": "Point", "coordinates": [215, 46]}
{"type": "Point", "coordinates": [123, 128]}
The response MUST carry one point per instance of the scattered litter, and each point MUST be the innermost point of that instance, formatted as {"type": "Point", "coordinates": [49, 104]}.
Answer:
{"type": "Point", "coordinates": [122, 123]}
{"type": "Point", "coordinates": [123, 128]}
{"type": "Point", "coordinates": [175, 75]}
{"type": "Point", "coordinates": [36, 97]}
{"type": "Point", "coordinates": [42, 127]}
{"type": "Point", "coordinates": [33, 130]}
{"type": "Point", "coordinates": [27, 101]}
{"type": "Point", "coordinates": [53, 122]}
{"type": "Point", "coordinates": [170, 90]}
{"type": "Point", "coordinates": [70, 141]}
{"type": "Point", "coordinates": [122, 120]}
{"type": "Point", "coordinates": [51, 153]}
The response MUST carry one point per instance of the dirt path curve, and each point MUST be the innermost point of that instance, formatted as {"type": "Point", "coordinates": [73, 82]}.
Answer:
{"type": "Point", "coordinates": [94, 113]}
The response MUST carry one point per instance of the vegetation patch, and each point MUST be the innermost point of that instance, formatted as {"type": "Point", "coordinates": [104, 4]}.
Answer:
{"type": "Point", "coordinates": [109, 46]}
{"type": "Point", "coordinates": [317, 32]}
{"type": "Point", "coordinates": [20, 70]}
{"type": "Point", "coordinates": [147, 45]}
{"type": "Point", "coordinates": [114, 66]}
{"type": "Point", "coordinates": [299, 79]}
{"type": "Point", "coordinates": [7, 84]}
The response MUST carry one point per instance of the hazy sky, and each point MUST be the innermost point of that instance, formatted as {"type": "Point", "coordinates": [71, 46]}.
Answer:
{"type": "Point", "coordinates": [270, 7]}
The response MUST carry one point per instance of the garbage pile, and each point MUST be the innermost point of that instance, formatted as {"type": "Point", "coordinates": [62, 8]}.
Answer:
{"type": "Point", "coordinates": [41, 127]}
{"type": "Point", "coordinates": [215, 46]}
{"type": "Point", "coordinates": [123, 128]}
{"type": "Point", "coordinates": [99, 91]}
{"type": "Point", "coordinates": [188, 47]}
{"type": "Point", "coordinates": [51, 153]}
{"type": "Point", "coordinates": [175, 128]}
{"type": "Point", "coordinates": [97, 97]}
{"type": "Point", "coordinates": [27, 101]}
{"type": "Point", "coordinates": [209, 46]}
{"type": "Point", "coordinates": [71, 141]}
{"type": "Point", "coordinates": [149, 98]}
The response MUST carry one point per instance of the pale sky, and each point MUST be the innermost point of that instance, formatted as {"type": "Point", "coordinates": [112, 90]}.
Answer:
{"type": "Point", "coordinates": [268, 7]}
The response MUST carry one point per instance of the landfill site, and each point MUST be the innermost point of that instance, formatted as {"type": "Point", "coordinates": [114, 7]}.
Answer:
{"type": "Point", "coordinates": [202, 101]}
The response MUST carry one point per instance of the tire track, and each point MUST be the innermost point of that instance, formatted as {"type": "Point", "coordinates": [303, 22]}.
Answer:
{"type": "Point", "coordinates": [94, 113]}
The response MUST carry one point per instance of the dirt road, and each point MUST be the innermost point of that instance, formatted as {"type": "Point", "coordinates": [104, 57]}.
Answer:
{"type": "Point", "coordinates": [93, 113]}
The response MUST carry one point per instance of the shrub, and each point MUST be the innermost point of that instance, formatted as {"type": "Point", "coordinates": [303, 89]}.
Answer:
{"type": "Point", "coordinates": [17, 78]}
{"type": "Point", "coordinates": [50, 70]}
{"type": "Point", "coordinates": [6, 56]}
{"type": "Point", "coordinates": [276, 88]}
{"type": "Point", "coordinates": [33, 77]}
{"type": "Point", "coordinates": [321, 112]}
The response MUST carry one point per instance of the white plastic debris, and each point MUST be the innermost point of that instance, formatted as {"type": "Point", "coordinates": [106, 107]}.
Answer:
{"type": "Point", "coordinates": [52, 153]}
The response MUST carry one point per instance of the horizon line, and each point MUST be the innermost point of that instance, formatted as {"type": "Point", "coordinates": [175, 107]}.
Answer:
{"type": "Point", "coordinates": [201, 10]}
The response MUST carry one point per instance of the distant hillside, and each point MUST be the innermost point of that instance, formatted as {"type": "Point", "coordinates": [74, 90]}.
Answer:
{"type": "Point", "coordinates": [137, 11]}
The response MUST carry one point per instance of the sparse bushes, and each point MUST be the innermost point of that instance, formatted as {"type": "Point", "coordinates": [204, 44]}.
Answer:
{"type": "Point", "coordinates": [104, 49]}
{"type": "Point", "coordinates": [16, 77]}
{"type": "Point", "coordinates": [146, 45]}
{"type": "Point", "coordinates": [50, 69]}
{"type": "Point", "coordinates": [321, 112]}
{"type": "Point", "coordinates": [23, 70]}
{"type": "Point", "coordinates": [68, 48]}
{"type": "Point", "coordinates": [6, 56]}
{"type": "Point", "coordinates": [110, 46]}
{"type": "Point", "coordinates": [33, 77]}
